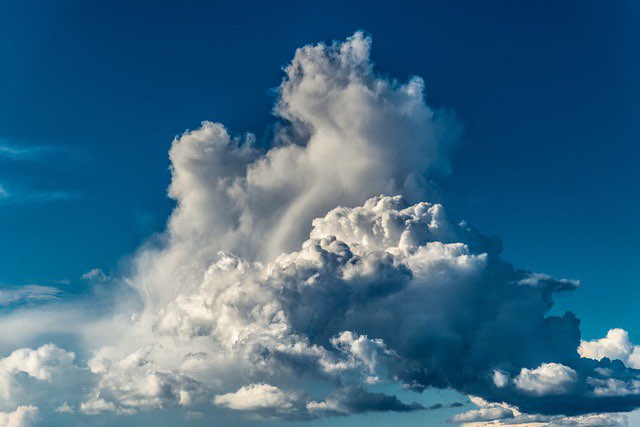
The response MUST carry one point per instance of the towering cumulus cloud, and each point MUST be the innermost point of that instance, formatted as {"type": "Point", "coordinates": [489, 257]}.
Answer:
{"type": "Point", "coordinates": [291, 280]}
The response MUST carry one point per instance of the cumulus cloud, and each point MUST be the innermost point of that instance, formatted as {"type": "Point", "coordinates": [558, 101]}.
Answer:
{"type": "Point", "coordinates": [254, 397]}
{"type": "Point", "coordinates": [501, 414]}
{"type": "Point", "coordinates": [292, 278]}
{"type": "Point", "coordinates": [355, 400]}
{"type": "Point", "coordinates": [22, 416]}
{"type": "Point", "coordinates": [64, 409]}
{"type": "Point", "coordinates": [43, 364]}
{"type": "Point", "coordinates": [615, 346]}
{"type": "Point", "coordinates": [548, 378]}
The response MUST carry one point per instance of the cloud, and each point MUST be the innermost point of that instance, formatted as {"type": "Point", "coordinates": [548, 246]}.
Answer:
{"type": "Point", "coordinates": [96, 406]}
{"type": "Point", "coordinates": [9, 197]}
{"type": "Point", "coordinates": [27, 293]}
{"type": "Point", "coordinates": [64, 409]}
{"type": "Point", "coordinates": [16, 152]}
{"type": "Point", "coordinates": [47, 363]}
{"type": "Point", "coordinates": [501, 414]}
{"type": "Point", "coordinates": [490, 413]}
{"type": "Point", "coordinates": [256, 397]}
{"type": "Point", "coordinates": [291, 278]}
{"type": "Point", "coordinates": [548, 378]}
{"type": "Point", "coordinates": [615, 346]}
{"type": "Point", "coordinates": [95, 275]}
{"type": "Point", "coordinates": [356, 400]}
{"type": "Point", "coordinates": [23, 416]}
{"type": "Point", "coordinates": [134, 382]}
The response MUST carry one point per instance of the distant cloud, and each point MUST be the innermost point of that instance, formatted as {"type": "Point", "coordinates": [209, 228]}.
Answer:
{"type": "Point", "coordinates": [491, 414]}
{"type": "Point", "coordinates": [64, 409]}
{"type": "Point", "coordinates": [27, 293]}
{"type": "Point", "coordinates": [95, 275]}
{"type": "Point", "coordinates": [22, 416]}
{"type": "Point", "coordinates": [256, 397]}
{"type": "Point", "coordinates": [27, 196]}
{"type": "Point", "coordinates": [357, 400]}
{"type": "Point", "coordinates": [18, 152]}
{"type": "Point", "coordinates": [546, 379]}
{"type": "Point", "coordinates": [11, 196]}
{"type": "Point", "coordinates": [615, 346]}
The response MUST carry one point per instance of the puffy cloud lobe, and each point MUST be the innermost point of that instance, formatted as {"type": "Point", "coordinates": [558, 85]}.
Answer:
{"type": "Point", "coordinates": [412, 280]}
{"type": "Point", "coordinates": [97, 405]}
{"type": "Point", "coordinates": [502, 414]}
{"type": "Point", "coordinates": [64, 409]}
{"type": "Point", "coordinates": [41, 364]}
{"type": "Point", "coordinates": [348, 135]}
{"type": "Point", "coordinates": [489, 413]}
{"type": "Point", "coordinates": [22, 416]}
{"type": "Point", "coordinates": [548, 378]}
{"type": "Point", "coordinates": [615, 346]}
{"type": "Point", "coordinates": [256, 397]}
{"type": "Point", "coordinates": [95, 275]}
{"type": "Point", "coordinates": [500, 379]}
{"type": "Point", "coordinates": [364, 351]}
{"type": "Point", "coordinates": [135, 382]}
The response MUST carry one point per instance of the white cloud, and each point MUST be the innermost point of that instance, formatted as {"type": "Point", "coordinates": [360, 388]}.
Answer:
{"type": "Point", "coordinates": [500, 378]}
{"type": "Point", "coordinates": [22, 416]}
{"type": "Point", "coordinates": [548, 378]}
{"type": "Point", "coordinates": [368, 352]}
{"type": "Point", "coordinates": [22, 294]}
{"type": "Point", "coordinates": [43, 364]}
{"type": "Point", "coordinates": [64, 409]}
{"type": "Point", "coordinates": [615, 387]}
{"type": "Point", "coordinates": [289, 266]}
{"type": "Point", "coordinates": [135, 381]}
{"type": "Point", "coordinates": [336, 150]}
{"type": "Point", "coordinates": [500, 414]}
{"type": "Point", "coordinates": [96, 406]}
{"type": "Point", "coordinates": [615, 346]}
{"type": "Point", "coordinates": [95, 275]}
{"type": "Point", "coordinates": [254, 397]}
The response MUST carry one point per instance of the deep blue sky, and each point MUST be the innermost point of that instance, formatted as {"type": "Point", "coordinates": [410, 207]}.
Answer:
{"type": "Point", "coordinates": [548, 94]}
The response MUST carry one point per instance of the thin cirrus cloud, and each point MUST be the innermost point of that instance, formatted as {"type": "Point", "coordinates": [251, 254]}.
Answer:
{"type": "Point", "coordinates": [11, 151]}
{"type": "Point", "coordinates": [290, 282]}
{"type": "Point", "coordinates": [16, 194]}
{"type": "Point", "coordinates": [30, 196]}
{"type": "Point", "coordinates": [23, 294]}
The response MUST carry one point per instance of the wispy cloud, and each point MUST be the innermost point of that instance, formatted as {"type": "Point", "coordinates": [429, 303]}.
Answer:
{"type": "Point", "coordinates": [25, 196]}
{"type": "Point", "coordinates": [27, 293]}
{"type": "Point", "coordinates": [18, 152]}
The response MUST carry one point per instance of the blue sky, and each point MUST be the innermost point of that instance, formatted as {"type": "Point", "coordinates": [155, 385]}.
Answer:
{"type": "Point", "coordinates": [93, 93]}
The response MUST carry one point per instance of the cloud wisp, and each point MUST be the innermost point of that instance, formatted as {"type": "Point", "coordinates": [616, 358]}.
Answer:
{"type": "Point", "coordinates": [292, 281]}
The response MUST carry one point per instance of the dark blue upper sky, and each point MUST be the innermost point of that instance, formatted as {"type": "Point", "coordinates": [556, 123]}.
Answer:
{"type": "Point", "coordinates": [92, 93]}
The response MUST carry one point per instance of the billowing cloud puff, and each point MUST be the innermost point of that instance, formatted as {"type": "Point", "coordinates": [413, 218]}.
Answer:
{"type": "Point", "coordinates": [292, 278]}
{"type": "Point", "coordinates": [349, 135]}
{"type": "Point", "coordinates": [42, 364]}
{"type": "Point", "coordinates": [22, 416]}
{"type": "Point", "coordinates": [254, 397]}
{"type": "Point", "coordinates": [387, 291]}
{"type": "Point", "coordinates": [548, 378]}
{"type": "Point", "coordinates": [615, 346]}
{"type": "Point", "coordinates": [500, 414]}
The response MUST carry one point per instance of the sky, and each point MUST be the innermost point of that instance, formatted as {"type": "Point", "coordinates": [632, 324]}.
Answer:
{"type": "Point", "coordinates": [115, 199]}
